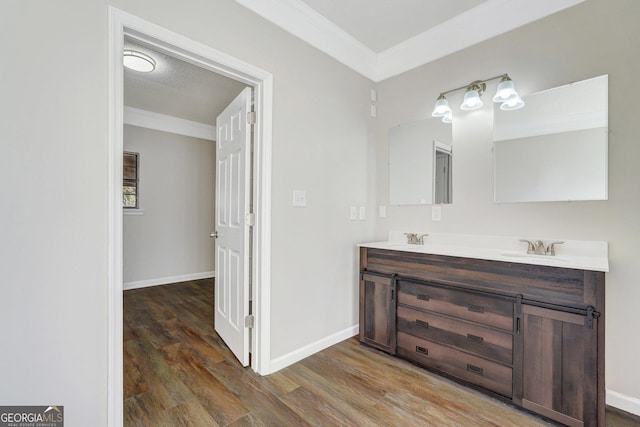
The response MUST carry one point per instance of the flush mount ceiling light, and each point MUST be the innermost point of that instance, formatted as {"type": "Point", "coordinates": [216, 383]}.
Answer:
{"type": "Point", "coordinates": [138, 61]}
{"type": "Point", "coordinates": [506, 95]}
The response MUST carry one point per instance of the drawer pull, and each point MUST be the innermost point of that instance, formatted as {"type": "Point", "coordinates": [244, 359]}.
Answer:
{"type": "Point", "coordinates": [474, 338]}
{"type": "Point", "coordinates": [422, 323]}
{"type": "Point", "coordinates": [475, 369]}
{"type": "Point", "coordinates": [475, 308]}
{"type": "Point", "coordinates": [422, 350]}
{"type": "Point", "coordinates": [422, 297]}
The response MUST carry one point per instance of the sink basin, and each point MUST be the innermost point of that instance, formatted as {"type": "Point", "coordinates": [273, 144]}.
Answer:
{"type": "Point", "coordinates": [535, 257]}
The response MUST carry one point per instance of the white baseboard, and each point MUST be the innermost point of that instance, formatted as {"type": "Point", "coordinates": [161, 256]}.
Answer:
{"type": "Point", "coordinates": [624, 402]}
{"type": "Point", "coordinates": [308, 350]}
{"type": "Point", "coordinates": [168, 280]}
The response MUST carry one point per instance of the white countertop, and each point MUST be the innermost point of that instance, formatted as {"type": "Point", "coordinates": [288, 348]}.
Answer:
{"type": "Point", "coordinates": [576, 254]}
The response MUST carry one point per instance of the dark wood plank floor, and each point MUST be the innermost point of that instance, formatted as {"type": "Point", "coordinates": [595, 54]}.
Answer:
{"type": "Point", "coordinates": [178, 372]}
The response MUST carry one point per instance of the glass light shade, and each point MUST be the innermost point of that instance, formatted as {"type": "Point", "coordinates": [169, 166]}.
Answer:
{"type": "Point", "coordinates": [138, 61]}
{"type": "Point", "coordinates": [441, 108]}
{"type": "Point", "coordinates": [505, 91]}
{"type": "Point", "coordinates": [512, 104]}
{"type": "Point", "coordinates": [447, 118]}
{"type": "Point", "coordinates": [471, 100]}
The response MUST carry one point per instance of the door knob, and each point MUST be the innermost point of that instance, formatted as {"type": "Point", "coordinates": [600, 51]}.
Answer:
{"type": "Point", "coordinates": [214, 235]}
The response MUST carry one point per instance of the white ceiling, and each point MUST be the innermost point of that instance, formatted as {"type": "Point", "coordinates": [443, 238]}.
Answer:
{"type": "Point", "coordinates": [383, 38]}
{"type": "Point", "coordinates": [380, 25]}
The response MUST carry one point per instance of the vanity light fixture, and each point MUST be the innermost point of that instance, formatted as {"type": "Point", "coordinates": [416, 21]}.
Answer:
{"type": "Point", "coordinates": [514, 103]}
{"type": "Point", "coordinates": [138, 61]}
{"type": "Point", "coordinates": [471, 100]}
{"type": "Point", "coordinates": [506, 95]}
{"type": "Point", "coordinates": [442, 107]}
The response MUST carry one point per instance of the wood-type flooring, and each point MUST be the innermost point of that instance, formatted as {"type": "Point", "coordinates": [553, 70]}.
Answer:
{"type": "Point", "coordinates": [178, 372]}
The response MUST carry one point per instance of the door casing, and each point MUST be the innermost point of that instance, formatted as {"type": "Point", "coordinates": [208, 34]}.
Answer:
{"type": "Point", "coordinates": [120, 24]}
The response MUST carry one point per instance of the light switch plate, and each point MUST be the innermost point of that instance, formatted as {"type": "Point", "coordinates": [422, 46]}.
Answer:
{"type": "Point", "coordinates": [353, 213]}
{"type": "Point", "coordinates": [436, 213]}
{"type": "Point", "coordinates": [299, 198]}
{"type": "Point", "coordinates": [362, 215]}
{"type": "Point", "coordinates": [382, 211]}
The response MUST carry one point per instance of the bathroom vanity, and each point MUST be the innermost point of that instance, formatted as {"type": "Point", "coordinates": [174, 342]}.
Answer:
{"type": "Point", "coordinates": [527, 328]}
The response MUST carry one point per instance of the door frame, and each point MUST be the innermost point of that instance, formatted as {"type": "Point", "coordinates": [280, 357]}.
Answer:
{"type": "Point", "coordinates": [120, 24]}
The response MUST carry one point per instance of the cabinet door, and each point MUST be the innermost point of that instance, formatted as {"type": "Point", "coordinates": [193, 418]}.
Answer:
{"type": "Point", "coordinates": [378, 312]}
{"type": "Point", "coordinates": [559, 366]}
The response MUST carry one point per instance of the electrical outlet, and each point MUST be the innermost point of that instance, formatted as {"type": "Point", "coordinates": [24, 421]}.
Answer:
{"type": "Point", "coordinates": [299, 198]}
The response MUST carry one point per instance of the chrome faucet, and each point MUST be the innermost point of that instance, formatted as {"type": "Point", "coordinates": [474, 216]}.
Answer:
{"type": "Point", "coordinates": [415, 239]}
{"type": "Point", "coordinates": [551, 248]}
{"type": "Point", "coordinates": [539, 248]}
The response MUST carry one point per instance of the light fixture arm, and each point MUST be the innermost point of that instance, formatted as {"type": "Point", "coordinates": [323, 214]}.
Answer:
{"type": "Point", "coordinates": [481, 84]}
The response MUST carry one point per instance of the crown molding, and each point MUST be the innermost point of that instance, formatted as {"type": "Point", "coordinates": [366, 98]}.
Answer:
{"type": "Point", "coordinates": [171, 124]}
{"type": "Point", "coordinates": [489, 19]}
{"type": "Point", "coordinates": [476, 25]}
{"type": "Point", "coordinates": [305, 23]}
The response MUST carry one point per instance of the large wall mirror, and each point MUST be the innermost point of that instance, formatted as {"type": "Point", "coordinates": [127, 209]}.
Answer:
{"type": "Point", "coordinates": [420, 162]}
{"type": "Point", "coordinates": [556, 147]}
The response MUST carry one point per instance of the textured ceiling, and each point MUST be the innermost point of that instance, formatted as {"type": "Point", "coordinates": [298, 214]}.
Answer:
{"type": "Point", "coordinates": [177, 88]}
{"type": "Point", "coordinates": [380, 25]}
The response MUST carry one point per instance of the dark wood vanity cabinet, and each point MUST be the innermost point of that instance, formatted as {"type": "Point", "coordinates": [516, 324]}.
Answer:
{"type": "Point", "coordinates": [378, 311]}
{"type": "Point", "coordinates": [468, 336]}
{"type": "Point", "coordinates": [559, 366]}
{"type": "Point", "coordinates": [531, 334]}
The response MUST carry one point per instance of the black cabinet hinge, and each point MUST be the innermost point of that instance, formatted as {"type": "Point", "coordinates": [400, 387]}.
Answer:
{"type": "Point", "coordinates": [394, 282]}
{"type": "Point", "coordinates": [590, 316]}
{"type": "Point", "coordinates": [518, 309]}
{"type": "Point", "coordinates": [394, 279]}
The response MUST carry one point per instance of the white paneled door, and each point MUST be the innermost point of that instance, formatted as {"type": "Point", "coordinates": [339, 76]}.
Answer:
{"type": "Point", "coordinates": [233, 156]}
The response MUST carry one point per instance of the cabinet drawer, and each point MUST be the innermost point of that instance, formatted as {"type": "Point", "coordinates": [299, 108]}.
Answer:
{"type": "Point", "coordinates": [489, 343]}
{"type": "Point", "coordinates": [476, 370]}
{"type": "Point", "coordinates": [478, 308]}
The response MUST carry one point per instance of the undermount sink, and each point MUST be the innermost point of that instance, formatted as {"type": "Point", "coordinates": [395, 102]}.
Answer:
{"type": "Point", "coordinates": [534, 256]}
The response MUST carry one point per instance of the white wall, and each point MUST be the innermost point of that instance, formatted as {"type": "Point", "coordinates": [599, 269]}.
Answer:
{"type": "Point", "coordinates": [170, 241]}
{"type": "Point", "coordinates": [53, 294]}
{"type": "Point", "coordinates": [54, 113]}
{"type": "Point", "coordinates": [597, 37]}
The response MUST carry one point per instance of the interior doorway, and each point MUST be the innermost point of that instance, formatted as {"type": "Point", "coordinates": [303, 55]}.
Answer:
{"type": "Point", "coordinates": [170, 131]}
{"type": "Point", "coordinates": [188, 190]}
{"type": "Point", "coordinates": [123, 24]}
